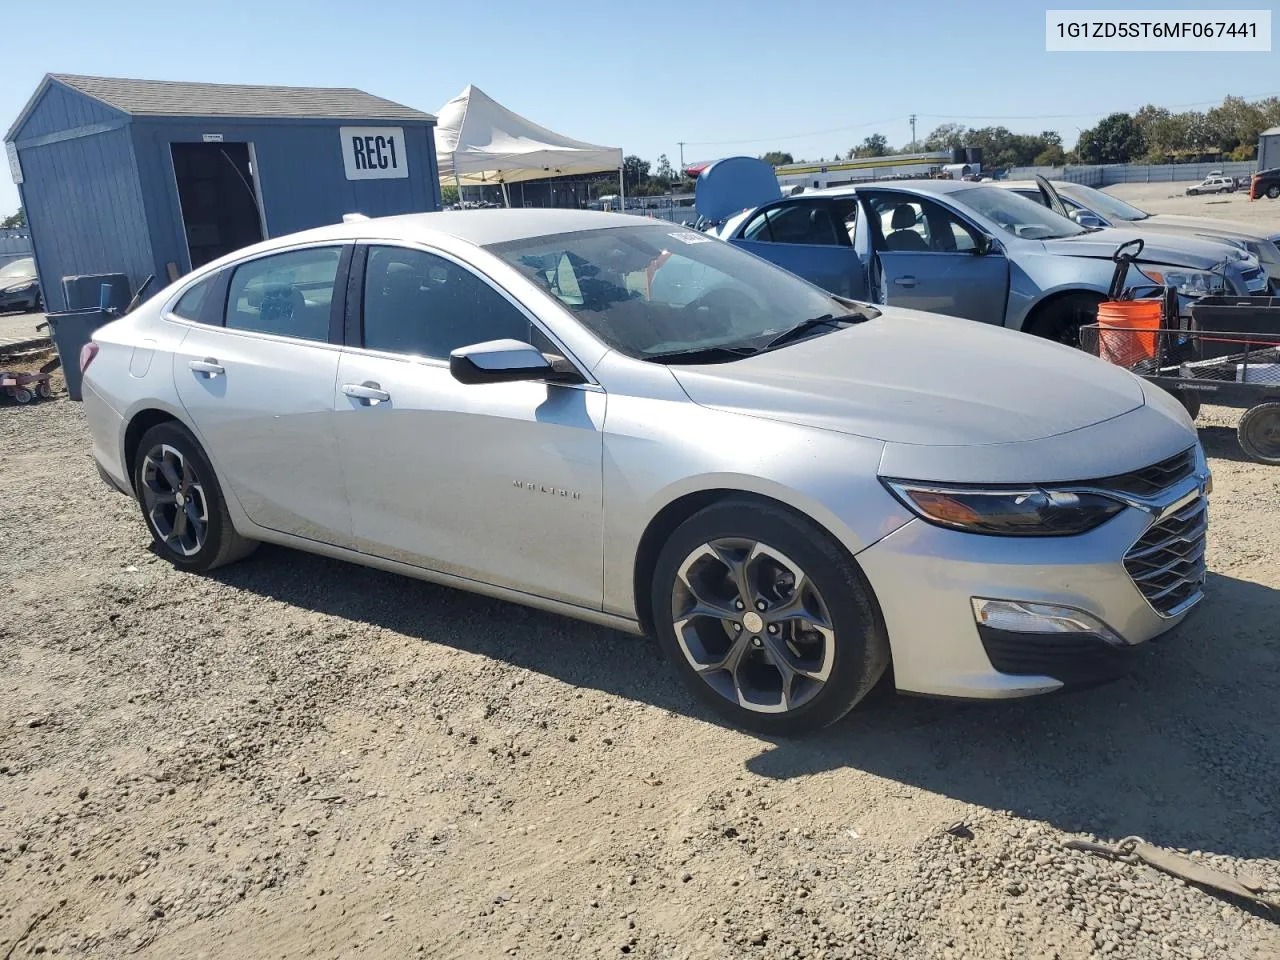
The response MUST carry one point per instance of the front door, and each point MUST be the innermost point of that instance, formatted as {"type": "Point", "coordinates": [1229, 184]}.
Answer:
{"type": "Point", "coordinates": [259, 392]}
{"type": "Point", "coordinates": [499, 483]}
{"type": "Point", "coordinates": [928, 259]}
{"type": "Point", "coordinates": [811, 238]}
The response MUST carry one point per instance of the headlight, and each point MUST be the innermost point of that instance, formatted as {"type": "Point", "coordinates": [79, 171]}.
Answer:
{"type": "Point", "coordinates": [1015, 512]}
{"type": "Point", "coordinates": [1191, 283]}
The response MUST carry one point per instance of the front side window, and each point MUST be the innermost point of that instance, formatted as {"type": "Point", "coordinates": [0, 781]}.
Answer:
{"type": "Point", "coordinates": [910, 224]}
{"type": "Point", "coordinates": [419, 304]}
{"type": "Point", "coordinates": [651, 291]}
{"type": "Point", "coordinates": [286, 294]}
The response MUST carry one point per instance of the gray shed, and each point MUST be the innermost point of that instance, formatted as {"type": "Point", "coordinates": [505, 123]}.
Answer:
{"type": "Point", "coordinates": [149, 177]}
{"type": "Point", "coordinates": [1269, 149]}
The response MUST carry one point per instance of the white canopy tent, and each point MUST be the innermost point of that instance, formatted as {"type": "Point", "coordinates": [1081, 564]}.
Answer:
{"type": "Point", "coordinates": [481, 142]}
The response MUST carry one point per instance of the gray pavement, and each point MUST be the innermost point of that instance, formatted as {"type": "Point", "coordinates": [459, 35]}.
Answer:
{"type": "Point", "coordinates": [20, 328]}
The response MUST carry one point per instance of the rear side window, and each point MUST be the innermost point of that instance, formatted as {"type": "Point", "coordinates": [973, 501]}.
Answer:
{"type": "Point", "coordinates": [287, 294]}
{"type": "Point", "coordinates": [193, 304]}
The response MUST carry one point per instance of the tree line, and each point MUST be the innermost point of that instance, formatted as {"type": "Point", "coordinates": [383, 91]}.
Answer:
{"type": "Point", "coordinates": [1152, 134]}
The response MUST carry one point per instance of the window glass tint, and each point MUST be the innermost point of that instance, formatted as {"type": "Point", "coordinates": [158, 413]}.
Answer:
{"type": "Point", "coordinates": [803, 223]}
{"type": "Point", "coordinates": [421, 304]}
{"type": "Point", "coordinates": [191, 305]}
{"type": "Point", "coordinates": [288, 294]}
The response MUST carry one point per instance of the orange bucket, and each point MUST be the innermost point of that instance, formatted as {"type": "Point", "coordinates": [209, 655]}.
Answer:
{"type": "Point", "coordinates": [1122, 336]}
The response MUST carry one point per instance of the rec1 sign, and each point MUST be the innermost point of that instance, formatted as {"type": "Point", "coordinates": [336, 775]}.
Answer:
{"type": "Point", "coordinates": [374, 153]}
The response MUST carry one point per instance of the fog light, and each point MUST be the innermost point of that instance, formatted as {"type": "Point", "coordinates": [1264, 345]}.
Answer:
{"type": "Point", "coordinates": [1018, 616]}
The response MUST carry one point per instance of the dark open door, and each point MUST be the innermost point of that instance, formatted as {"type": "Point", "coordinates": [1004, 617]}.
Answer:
{"type": "Point", "coordinates": [219, 198]}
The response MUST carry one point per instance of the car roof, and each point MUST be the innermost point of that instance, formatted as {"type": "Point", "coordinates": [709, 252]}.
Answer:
{"type": "Point", "coordinates": [917, 186]}
{"type": "Point", "coordinates": [479, 227]}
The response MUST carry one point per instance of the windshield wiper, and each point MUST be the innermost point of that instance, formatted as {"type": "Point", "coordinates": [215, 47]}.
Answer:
{"type": "Point", "coordinates": [701, 355]}
{"type": "Point", "coordinates": [804, 326]}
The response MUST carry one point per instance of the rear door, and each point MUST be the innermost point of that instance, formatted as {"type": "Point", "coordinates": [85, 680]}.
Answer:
{"type": "Point", "coordinates": [257, 381]}
{"type": "Point", "coordinates": [927, 258]}
{"type": "Point", "coordinates": [811, 237]}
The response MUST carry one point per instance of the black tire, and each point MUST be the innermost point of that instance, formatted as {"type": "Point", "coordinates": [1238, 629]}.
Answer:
{"type": "Point", "coordinates": [1259, 432]}
{"type": "Point", "coordinates": [22, 395]}
{"type": "Point", "coordinates": [860, 644]}
{"type": "Point", "coordinates": [1060, 320]}
{"type": "Point", "coordinates": [1273, 191]}
{"type": "Point", "coordinates": [221, 544]}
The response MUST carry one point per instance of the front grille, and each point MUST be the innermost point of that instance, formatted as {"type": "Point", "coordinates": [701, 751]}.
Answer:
{"type": "Point", "coordinates": [1167, 564]}
{"type": "Point", "coordinates": [1151, 480]}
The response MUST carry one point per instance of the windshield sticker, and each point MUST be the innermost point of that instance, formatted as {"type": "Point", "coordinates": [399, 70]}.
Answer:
{"type": "Point", "coordinates": [690, 237]}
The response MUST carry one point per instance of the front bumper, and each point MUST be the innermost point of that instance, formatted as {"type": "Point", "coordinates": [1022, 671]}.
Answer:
{"type": "Point", "coordinates": [24, 298]}
{"type": "Point", "coordinates": [925, 578]}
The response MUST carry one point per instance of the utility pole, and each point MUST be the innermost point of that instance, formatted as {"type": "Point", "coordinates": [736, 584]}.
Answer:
{"type": "Point", "coordinates": [682, 143]}
{"type": "Point", "coordinates": [913, 133]}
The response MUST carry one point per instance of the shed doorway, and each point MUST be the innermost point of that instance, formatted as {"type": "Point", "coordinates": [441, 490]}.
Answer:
{"type": "Point", "coordinates": [219, 198]}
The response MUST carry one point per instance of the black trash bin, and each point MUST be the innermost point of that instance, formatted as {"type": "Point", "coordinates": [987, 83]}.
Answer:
{"type": "Point", "coordinates": [71, 330]}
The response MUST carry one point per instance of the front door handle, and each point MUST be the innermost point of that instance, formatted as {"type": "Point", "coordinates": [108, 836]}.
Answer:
{"type": "Point", "coordinates": [907, 281]}
{"type": "Point", "coordinates": [368, 393]}
{"type": "Point", "coordinates": [208, 367]}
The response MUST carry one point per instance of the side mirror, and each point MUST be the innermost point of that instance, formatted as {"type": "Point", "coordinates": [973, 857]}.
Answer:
{"type": "Point", "coordinates": [1085, 218]}
{"type": "Point", "coordinates": [985, 244]}
{"type": "Point", "coordinates": [508, 361]}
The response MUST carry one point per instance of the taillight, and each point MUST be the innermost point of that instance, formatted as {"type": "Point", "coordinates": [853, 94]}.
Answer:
{"type": "Point", "coordinates": [87, 353]}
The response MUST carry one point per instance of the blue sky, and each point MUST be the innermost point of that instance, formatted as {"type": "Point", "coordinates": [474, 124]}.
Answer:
{"type": "Point", "coordinates": [641, 76]}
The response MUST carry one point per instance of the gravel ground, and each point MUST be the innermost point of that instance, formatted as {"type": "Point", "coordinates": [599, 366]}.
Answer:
{"type": "Point", "coordinates": [297, 757]}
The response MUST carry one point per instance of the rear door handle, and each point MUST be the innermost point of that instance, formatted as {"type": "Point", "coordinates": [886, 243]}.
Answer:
{"type": "Point", "coordinates": [209, 367]}
{"type": "Point", "coordinates": [907, 281]}
{"type": "Point", "coordinates": [368, 393]}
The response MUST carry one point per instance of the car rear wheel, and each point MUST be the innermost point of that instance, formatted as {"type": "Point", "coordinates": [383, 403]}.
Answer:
{"type": "Point", "coordinates": [1061, 319]}
{"type": "Point", "coordinates": [1273, 191]}
{"type": "Point", "coordinates": [182, 502]}
{"type": "Point", "coordinates": [1259, 432]}
{"type": "Point", "coordinates": [766, 618]}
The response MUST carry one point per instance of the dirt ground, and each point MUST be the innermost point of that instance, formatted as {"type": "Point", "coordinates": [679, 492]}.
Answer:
{"type": "Point", "coordinates": [297, 757]}
{"type": "Point", "coordinates": [1172, 198]}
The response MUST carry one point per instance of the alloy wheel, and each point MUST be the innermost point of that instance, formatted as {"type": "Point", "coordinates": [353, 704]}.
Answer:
{"type": "Point", "coordinates": [752, 625]}
{"type": "Point", "coordinates": [174, 500]}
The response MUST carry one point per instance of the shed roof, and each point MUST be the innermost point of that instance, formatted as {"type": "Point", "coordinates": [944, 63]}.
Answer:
{"type": "Point", "coordinates": [1270, 132]}
{"type": "Point", "coordinates": [169, 98]}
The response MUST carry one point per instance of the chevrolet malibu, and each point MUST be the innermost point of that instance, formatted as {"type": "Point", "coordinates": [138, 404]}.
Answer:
{"type": "Point", "coordinates": [642, 426]}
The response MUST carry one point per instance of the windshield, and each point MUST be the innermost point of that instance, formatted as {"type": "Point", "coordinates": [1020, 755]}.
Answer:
{"type": "Point", "coordinates": [1112, 208]}
{"type": "Point", "coordinates": [1015, 214]}
{"type": "Point", "coordinates": [18, 270]}
{"type": "Point", "coordinates": [653, 291]}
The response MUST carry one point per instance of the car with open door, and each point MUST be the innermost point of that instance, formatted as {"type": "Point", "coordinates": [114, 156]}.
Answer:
{"type": "Point", "coordinates": [633, 423]}
{"type": "Point", "coordinates": [971, 250]}
{"type": "Point", "coordinates": [1091, 207]}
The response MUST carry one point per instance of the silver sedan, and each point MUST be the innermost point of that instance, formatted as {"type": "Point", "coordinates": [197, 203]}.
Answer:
{"type": "Point", "coordinates": [639, 425]}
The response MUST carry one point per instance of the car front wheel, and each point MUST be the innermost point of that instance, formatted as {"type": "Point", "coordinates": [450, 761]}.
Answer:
{"type": "Point", "coordinates": [766, 618]}
{"type": "Point", "coordinates": [182, 502]}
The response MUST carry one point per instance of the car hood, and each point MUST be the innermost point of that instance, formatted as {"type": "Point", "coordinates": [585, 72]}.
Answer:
{"type": "Point", "coordinates": [1170, 250]}
{"type": "Point", "coordinates": [1211, 225]}
{"type": "Point", "coordinates": [919, 378]}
